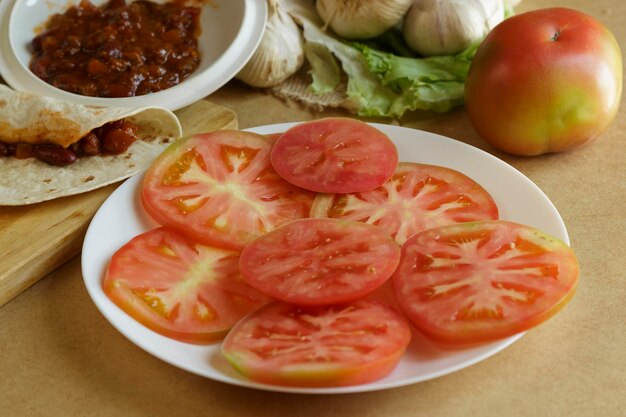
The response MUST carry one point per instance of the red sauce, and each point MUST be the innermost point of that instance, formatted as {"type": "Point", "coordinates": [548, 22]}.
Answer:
{"type": "Point", "coordinates": [118, 49]}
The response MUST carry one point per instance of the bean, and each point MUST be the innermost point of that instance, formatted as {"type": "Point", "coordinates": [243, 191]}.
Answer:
{"type": "Point", "coordinates": [96, 68]}
{"type": "Point", "coordinates": [54, 155]}
{"type": "Point", "coordinates": [23, 150]}
{"type": "Point", "coordinates": [90, 144]}
{"type": "Point", "coordinates": [71, 45]}
{"type": "Point", "coordinates": [117, 141]}
{"type": "Point", "coordinates": [7, 149]}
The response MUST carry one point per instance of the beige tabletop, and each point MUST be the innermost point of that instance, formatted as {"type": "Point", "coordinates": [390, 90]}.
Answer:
{"type": "Point", "coordinates": [60, 357]}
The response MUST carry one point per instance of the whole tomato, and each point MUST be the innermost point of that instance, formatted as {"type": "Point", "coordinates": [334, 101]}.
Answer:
{"type": "Point", "coordinates": [544, 81]}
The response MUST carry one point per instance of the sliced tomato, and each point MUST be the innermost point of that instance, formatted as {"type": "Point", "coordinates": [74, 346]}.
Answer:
{"type": "Point", "coordinates": [334, 155]}
{"type": "Point", "coordinates": [416, 197]}
{"type": "Point", "coordinates": [273, 136]}
{"type": "Point", "coordinates": [220, 189]}
{"type": "Point", "coordinates": [178, 288]}
{"type": "Point", "coordinates": [284, 344]}
{"type": "Point", "coordinates": [320, 261]}
{"type": "Point", "coordinates": [480, 281]}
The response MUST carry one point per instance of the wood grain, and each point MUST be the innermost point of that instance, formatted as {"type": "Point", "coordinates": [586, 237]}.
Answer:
{"type": "Point", "coordinates": [37, 238]}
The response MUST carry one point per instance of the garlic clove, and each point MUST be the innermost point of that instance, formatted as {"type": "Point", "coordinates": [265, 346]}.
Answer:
{"type": "Point", "coordinates": [446, 27]}
{"type": "Point", "coordinates": [280, 53]}
{"type": "Point", "coordinates": [361, 19]}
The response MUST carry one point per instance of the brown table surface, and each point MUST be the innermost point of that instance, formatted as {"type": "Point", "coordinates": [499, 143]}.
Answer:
{"type": "Point", "coordinates": [60, 357]}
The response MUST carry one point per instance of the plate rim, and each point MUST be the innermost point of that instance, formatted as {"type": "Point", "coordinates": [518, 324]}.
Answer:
{"type": "Point", "coordinates": [495, 348]}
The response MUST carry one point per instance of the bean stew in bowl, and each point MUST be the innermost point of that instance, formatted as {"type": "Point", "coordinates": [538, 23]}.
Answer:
{"type": "Point", "coordinates": [118, 49]}
{"type": "Point", "coordinates": [128, 53]}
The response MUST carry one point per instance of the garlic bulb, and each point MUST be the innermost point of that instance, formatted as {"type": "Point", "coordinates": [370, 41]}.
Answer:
{"type": "Point", "coordinates": [280, 53]}
{"type": "Point", "coordinates": [445, 27]}
{"type": "Point", "coordinates": [362, 19]}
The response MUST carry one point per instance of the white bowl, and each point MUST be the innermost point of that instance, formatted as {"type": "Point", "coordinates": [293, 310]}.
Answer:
{"type": "Point", "coordinates": [231, 31]}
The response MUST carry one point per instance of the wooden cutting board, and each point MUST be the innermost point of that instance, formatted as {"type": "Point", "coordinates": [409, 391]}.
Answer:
{"type": "Point", "coordinates": [37, 238]}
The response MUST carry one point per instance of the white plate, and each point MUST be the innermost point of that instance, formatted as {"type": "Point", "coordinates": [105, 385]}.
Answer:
{"type": "Point", "coordinates": [231, 31]}
{"type": "Point", "coordinates": [122, 217]}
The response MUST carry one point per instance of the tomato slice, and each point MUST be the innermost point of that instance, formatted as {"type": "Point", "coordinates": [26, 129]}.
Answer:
{"type": "Point", "coordinates": [416, 197]}
{"type": "Point", "coordinates": [320, 261]}
{"type": "Point", "coordinates": [178, 288]}
{"type": "Point", "coordinates": [334, 155]}
{"type": "Point", "coordinates": [284, 344]}
{"type": "Point", "coordinates": [480, 281]}
{"type": "Point", "coordinates": [273, 136]}
{"type": "Point", "coordinates": [220, 189]}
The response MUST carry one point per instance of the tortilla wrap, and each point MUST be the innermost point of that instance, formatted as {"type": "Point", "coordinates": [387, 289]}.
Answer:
{"type": "Point", "coordinates": [26, 117]}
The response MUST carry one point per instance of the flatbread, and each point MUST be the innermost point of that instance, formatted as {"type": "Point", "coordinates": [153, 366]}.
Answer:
{"type": "Point", "coordinates": [29, 116]}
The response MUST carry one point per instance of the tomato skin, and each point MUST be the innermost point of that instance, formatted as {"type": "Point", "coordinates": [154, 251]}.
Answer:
{"type": "Point", "coordinates": [340, 345]}
{"type": "Point", "coordinates": [416, 197]}
{"type": "Point", "coordinates": [481, 281]}
{"type": "Point", "coordinates": [544, 81]}
{"type": "Point", "coordinates": [320, 261]}
{"type": "Point", "coordinates": [334, 155]}
{"type": "Point", "coordinates": [220, 189]}
{"type": "Point", "coordinates": [155, 279]}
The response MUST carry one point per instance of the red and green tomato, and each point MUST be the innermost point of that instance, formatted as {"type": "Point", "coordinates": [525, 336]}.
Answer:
{"type": "Point", "coordinates": [179, 288]}
{"type": "Point", "coordinates": [334, 155]}
{"type": "Point", "coordinates": [338, 345]}
{"type": "Point", "coordinates": [544, 81]}
{"type": "Point", "coordinates": [480, 281]}
{"type": "Point", "coordinates": [219, 188]}
{"type": "Point", "coordinates": [320, 261]}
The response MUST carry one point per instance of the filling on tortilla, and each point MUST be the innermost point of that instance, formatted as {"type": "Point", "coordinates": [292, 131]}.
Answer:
{"type": "Point", "coordinates": [49, 132]}
{"type": "Point", "coordinates": [112, 138]}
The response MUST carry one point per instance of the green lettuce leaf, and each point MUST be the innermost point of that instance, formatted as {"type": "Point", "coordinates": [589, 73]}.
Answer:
{"type": "Point", "coordinates": [325, 72]}
{"type": "Point", "coordinates": [434, 83]}
{"type": "Point", "coordinates": [383, 84]}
